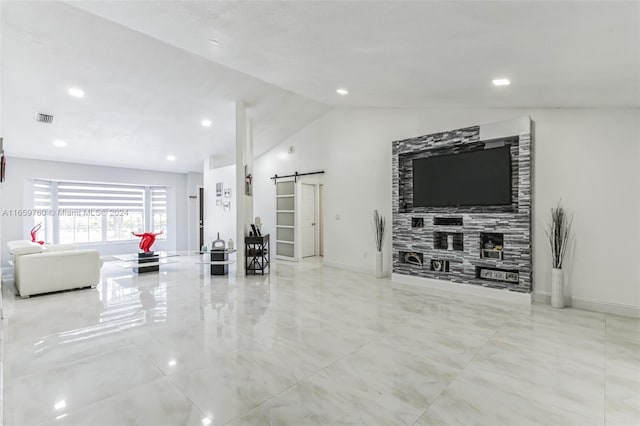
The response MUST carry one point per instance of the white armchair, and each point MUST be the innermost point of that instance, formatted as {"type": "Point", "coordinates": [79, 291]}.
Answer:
{"type": "Point", "coordinates": [55, 267]}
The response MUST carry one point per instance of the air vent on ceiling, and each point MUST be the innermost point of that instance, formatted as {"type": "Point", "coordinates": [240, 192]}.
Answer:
{"type": "Point", "coordinates": [44, 118]}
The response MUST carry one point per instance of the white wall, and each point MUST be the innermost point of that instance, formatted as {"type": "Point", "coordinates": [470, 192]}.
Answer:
{"type": "Point", "coordinates": [216, 220]}
{"type": "Point", "coordinates": [17, 194]}
{"type": "Point", "coordinates": [588, 157]}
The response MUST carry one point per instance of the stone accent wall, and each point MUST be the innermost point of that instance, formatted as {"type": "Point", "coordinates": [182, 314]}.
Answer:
{"type": "Point", "coordinates": [514, 221]}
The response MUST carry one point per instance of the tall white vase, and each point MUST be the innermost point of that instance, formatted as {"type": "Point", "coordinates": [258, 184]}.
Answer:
{"type": "Point", "coordinates": [379, 272]}
{"type": "Point", "coordinates": [557, 288]}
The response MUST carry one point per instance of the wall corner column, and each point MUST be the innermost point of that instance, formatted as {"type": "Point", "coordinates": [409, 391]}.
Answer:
{"type": "Point", "coordinates": [244, 164]}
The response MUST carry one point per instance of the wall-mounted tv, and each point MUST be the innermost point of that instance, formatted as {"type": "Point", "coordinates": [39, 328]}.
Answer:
{"type": "Point", "coordinates": [475, 178]}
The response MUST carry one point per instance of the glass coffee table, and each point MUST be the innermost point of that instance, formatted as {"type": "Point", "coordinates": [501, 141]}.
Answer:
{"type": "Point", "coordinates": [219, 261]}
{"type": "Point", "coordinates": [146, 262]}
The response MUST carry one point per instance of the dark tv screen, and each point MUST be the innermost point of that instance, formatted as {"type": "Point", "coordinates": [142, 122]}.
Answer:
{"type": "Point", "coordinates": [476, 178]}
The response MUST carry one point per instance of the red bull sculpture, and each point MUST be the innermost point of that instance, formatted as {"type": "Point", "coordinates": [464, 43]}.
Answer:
{"type": "Point", "coordinates": [146, 240]}
{"type": "Point", "coordinates": [34, 233]}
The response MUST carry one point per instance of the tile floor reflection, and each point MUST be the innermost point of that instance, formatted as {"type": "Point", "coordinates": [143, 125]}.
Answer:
{"type": "Point", "coordinates": [308, 345]}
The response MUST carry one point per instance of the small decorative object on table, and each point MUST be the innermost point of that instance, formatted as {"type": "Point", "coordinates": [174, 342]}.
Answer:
{"type": "Point", "coordinates": [559, 235]}
{"type": "Point", "coordinates": [218, 243]}
{"type": "Point", "coordinates": [146, 240]}
{"type": "Point", "coordinates": [379, 226]}
{"type": "Point", "coordinates": [147, 260]}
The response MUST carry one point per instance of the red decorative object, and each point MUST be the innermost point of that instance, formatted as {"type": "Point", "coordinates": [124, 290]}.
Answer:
{"type": "Point", "coordinates": [34, 232]}
{"type": "Point", "coordinates": [147, 240]}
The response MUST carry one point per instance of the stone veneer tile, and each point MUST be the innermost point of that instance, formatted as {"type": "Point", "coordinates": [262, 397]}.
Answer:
{"type": "Point", "coordinates": [514, 222]}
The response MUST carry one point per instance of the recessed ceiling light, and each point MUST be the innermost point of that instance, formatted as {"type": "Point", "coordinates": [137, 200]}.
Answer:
{"type": "Point", "coordinates": [172, 363]}
{"type": "Point", "coordinates": [215, 42]}
{"type": "Point", "coordinates": [60, 405]}
{"type": "Point", "coordinates": [206, 421]}
{"type": "Point", "coordinates": [342, 91]}
{"type": "Point", "coordinates": [76, 92]}
{"type": "Point", "coordinates": [501, 82]}
{"type": "Point", "coordinates": [171, 157]}
{"type": "Point", "coordinates": [206, 122]}
{"type": "Point", "coordinates": [59, 143]}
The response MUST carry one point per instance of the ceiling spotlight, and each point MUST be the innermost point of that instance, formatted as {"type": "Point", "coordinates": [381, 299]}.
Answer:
{"type": "Point", "coordinates": [76, 92]}
{"type": "Point", "coordinates": [60, 405]}
{"type": "Point", "coordinates": [171, 157]}
{"type": "Point", "coordinates": [215, 42]}
{"type": "Point", "coordinates": [173, 362]}
{"type": "Point", "coordinates": [206, 123]}
{"type": "Point", "coordinates": [59, 143]}
{"type": "Point", "coordinates": [501, 82]}
{"type": "Point", "coordinates": [342, 91]}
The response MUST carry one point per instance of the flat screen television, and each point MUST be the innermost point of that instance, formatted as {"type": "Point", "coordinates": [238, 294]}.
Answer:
{"type": "Point", "coordinates": [475, 178]}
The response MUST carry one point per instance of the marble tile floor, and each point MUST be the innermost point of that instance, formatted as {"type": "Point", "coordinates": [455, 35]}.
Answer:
{"type": "Point", "coordinates": [308, 345]}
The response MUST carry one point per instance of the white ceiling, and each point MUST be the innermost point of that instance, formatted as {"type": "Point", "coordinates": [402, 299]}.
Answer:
{"type": "Point", "coordinates": [151, 75]}
{"type": "Point", "coordinates": [412, 54]}
{"type": "Point", "coordinates": [144, 99]}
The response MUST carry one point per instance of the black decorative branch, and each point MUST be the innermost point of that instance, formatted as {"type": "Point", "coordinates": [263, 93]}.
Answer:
{"type": "Point", "coordinates": [559, 234]}
{"type": "Point", "coordinates": [379, 225]}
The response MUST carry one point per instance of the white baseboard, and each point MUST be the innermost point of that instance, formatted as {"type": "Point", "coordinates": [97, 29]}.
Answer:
{"type": "Point", "coordinates": [492, 293]}
{"type": "Point", "coordinates": [592, 305]}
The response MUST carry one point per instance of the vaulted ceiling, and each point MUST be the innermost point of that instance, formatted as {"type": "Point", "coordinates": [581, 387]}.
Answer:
{"type": "Point", "coordinates": [151, 73]}
{"type": "Point", "coordinates": [412, 54]}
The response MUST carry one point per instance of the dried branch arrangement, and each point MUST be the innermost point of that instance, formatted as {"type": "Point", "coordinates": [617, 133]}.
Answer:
{"type": "Point", "coordinates": [559, 233]}
{"type": "Point", "coordinates": [379, 225]}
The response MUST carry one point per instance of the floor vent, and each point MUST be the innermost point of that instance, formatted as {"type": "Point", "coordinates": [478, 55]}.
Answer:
{"type": "Point", "coordinates": [44, 118]}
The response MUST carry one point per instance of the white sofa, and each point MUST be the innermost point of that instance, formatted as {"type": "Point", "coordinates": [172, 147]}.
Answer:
{"type": "Point", "coordinates": [55, 267]}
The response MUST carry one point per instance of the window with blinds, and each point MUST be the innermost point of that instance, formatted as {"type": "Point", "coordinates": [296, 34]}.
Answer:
{"type": "Point", "coordinates": [82, 207]}
{"type": "Point", "coordinates": [41, 195]}
{"type": "Point", "coordinates": [98, 212]}
{"type": "Point", "coordinates": [42, 205]}
{"type": "Point", "coordinates": [159, 210]}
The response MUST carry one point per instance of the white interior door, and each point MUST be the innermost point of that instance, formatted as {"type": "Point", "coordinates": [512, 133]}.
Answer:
{"type": "Point", "coordinates": [286, 229]}
{"type": "Point", "coordinates": [308, 220]}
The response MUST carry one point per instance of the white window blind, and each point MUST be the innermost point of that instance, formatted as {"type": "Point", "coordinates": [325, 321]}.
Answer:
{"type": "Point", "coordinates": [159, 210]}
{"type": "Point", "coordinates": [42, 195]}
{"type": "Point", "coordinates": [78, 196]}
{"type": "Point", "coordinates": [159, 199]}
{"type": "Point", "coordinates": [43, 205]}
